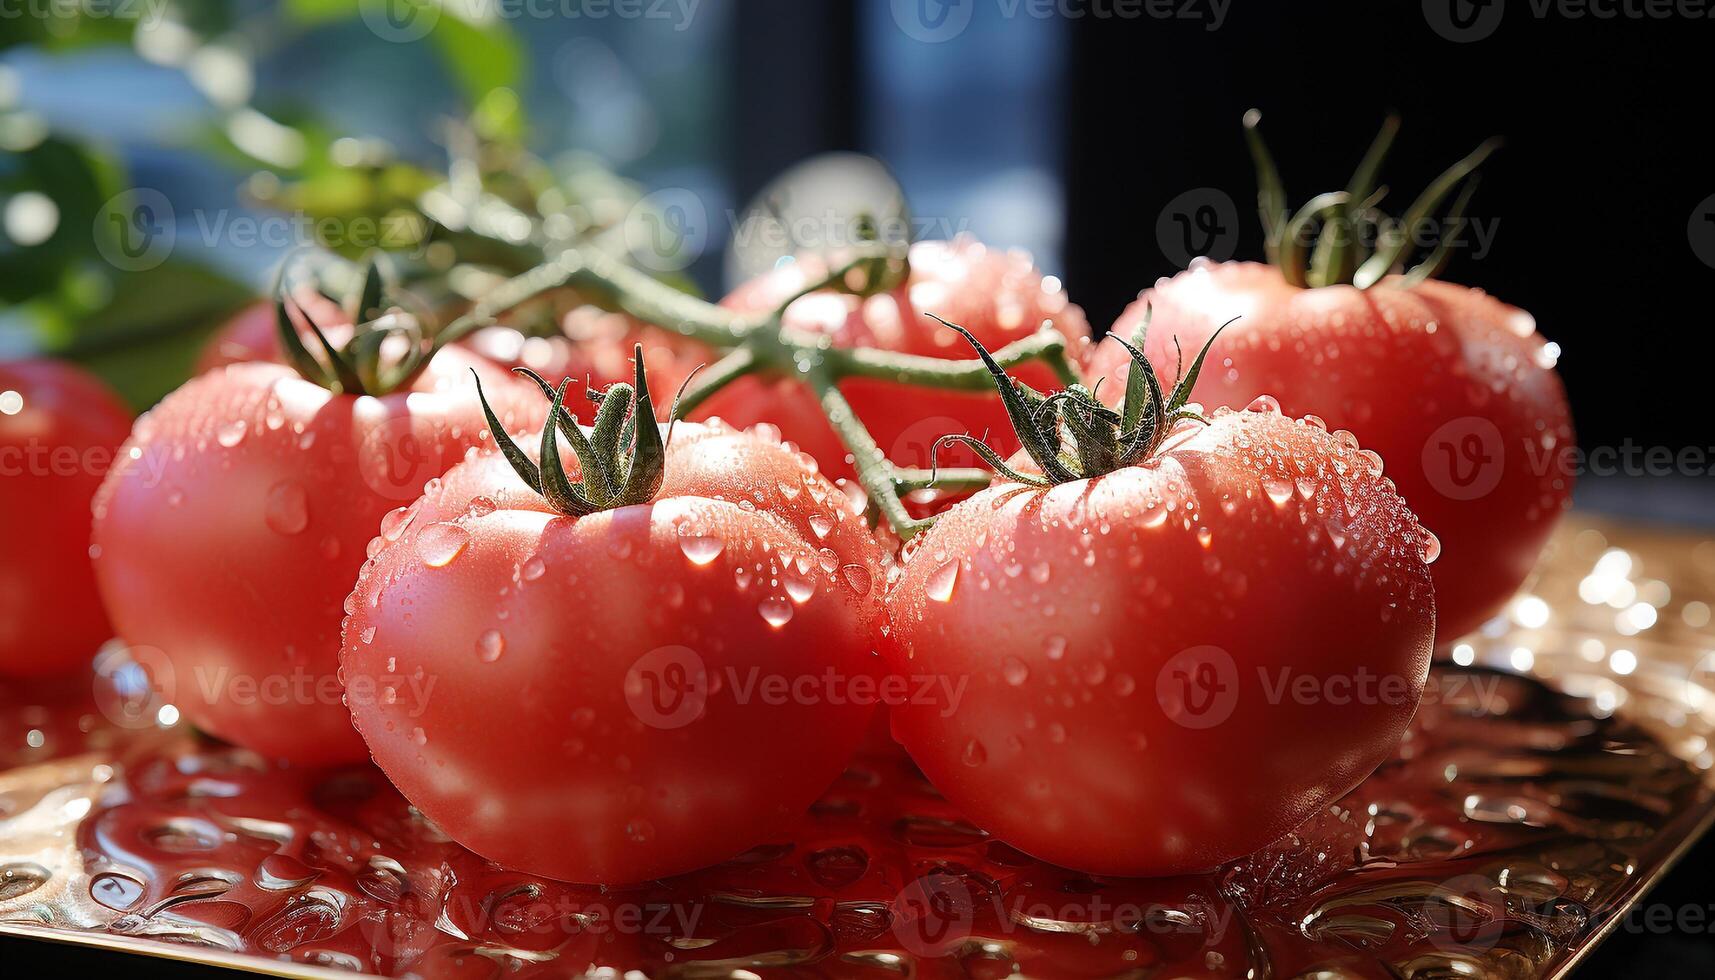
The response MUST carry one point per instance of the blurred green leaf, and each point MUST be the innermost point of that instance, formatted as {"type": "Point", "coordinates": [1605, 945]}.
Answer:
{"type": "Point", "coordinates": [483, 59]}
{"type": "Point", "coordinates": [146, 339]}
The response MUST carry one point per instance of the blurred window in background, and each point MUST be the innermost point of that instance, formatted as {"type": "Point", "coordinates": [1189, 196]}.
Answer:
{"type": "Point", "coordinates": [966, 104]}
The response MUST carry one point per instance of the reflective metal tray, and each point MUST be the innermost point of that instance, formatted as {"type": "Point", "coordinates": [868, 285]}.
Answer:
{"type": "Point", "coordinates": [1559, 765]}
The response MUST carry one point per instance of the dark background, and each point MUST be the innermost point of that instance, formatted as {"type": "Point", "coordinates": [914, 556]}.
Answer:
{"type": "Point", "coordinates": [1609, 149]}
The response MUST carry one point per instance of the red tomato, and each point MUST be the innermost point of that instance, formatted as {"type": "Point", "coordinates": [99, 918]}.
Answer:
{"type": "Point", "coordinates": [251, 334]}
{"type": "Point", "coordinates": [59, 427]}
{"type": "Point", "coordinates": [595, 698]}
{"type": "Point", "coordinates": [230, 531]}
{"type": "Point", "coordinates": [998, 295]}
{"type": "Point", "coordinates": [596, 346]}
{"type": "Point", "coordinates": [1455, 389]}
{"type": "Point", "coordinates": [1169, 666]}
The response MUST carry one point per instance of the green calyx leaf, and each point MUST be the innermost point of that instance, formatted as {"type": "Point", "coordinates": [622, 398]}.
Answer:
{"type": "Point", "coordinates": [1341, 237]}
{"type": "Point", "coordinates": [621, 460]}
{"type": "Point", "coordinates": [367, 364]}
{"type": "Point", "coordinates": [1070, 435]}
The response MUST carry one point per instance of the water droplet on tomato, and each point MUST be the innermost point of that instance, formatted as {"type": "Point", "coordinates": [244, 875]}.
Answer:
{"type": "Point", "coordinates": [287, 510]}
{"type": "Point", "coordinates": [1264, 403]}
{"type": "Point", "coordinates": [1430, 548]}
{"type": "Point", "coordinates": [857, 577]}
{"type": "Point", "coordinates": [533, 569]}
{"type": "Point", "coordinates": [975, 755]}
{"type": "Point", "coordinates": [942, 580]}
{"type": "Point", "coordinates": [232, 433]}
{"type": "Point", "coordinates": [1014, 671]}
{"type": "Point", "coordinates": [482, 506]}
{"type": "Point", "coordinates": [798, 587]}
{"type": "Point", "coordinates": [776, 611]}
{"type": "Point", "coordinates": [440, 543]}
{"type": "Point", "coordinates": [489, 646]}
{"type": "Point", "coordinates": [701, 549]}
{"type": "Point", "coordinates": [396, 521]}
{"type": "Point", "coordinates": [1055, 647]}
{"type": "Point", "coordinates": [821, 524]}
{"type": "Point", "coordinates": [1278, 490]}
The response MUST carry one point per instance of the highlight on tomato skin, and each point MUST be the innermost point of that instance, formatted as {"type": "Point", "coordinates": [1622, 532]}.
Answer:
{"type": "Point", "coordinates": [998, 294]}
{"type": "Point", "coordinates": [631, 693]}
{"type": "Point", "coordinates": [1210, 645]}
{"type": "Point", "coordinates": [60, 428]}
{"type": "Point", "coordinates": [1455, 389]}
{"type": "Point", "coordinates": [229, 532]}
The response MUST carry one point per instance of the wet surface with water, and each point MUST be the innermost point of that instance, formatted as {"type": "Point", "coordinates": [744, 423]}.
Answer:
{"type": "Point", "coordinates": [1559, 761]}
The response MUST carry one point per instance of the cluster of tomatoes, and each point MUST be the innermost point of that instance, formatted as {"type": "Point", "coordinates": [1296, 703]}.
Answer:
{"type": "Point", "coordinates": [624, 650]}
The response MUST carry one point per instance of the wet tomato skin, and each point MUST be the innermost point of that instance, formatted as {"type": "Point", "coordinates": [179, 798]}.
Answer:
{"type": "Point", "coordinates": [59, 428]}
{"type": "Point", "coordinates": [1164, 668]}
{"type": "Point", "coordinates": [997, 294]}
{"type": "Point", "coordinates": [231, 529]}
{"type": "Point", "coordinates": [1454, 388]}
{"type": "Point", "coordinates": [589, 698]}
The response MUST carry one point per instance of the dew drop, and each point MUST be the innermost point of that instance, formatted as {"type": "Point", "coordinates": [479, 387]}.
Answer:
{"type": "Point", "coordinates": [533, 569]}
{"type": "Point", "coordinates": [975, 755]}
{"type": "Point", "coordinates": [440, 543]}
{"type": "Point", "coordinates": [288, 508]}
{"type": "Point", "coordinates": [821, 524]}
{"type": "Point", "coordinates": [396, 521]}
{"type": "Point", "coordinates": [1264, 403]}
{"type": "Point", "coordinates": [701, 549]}
{"type": "Point", "coordinates": [482, 506]}
{"type": "Point", "coordinates": [1431, 547]}
{"type": "Point", "coordinates": [942, 580]}
{"type": "Point", "coordinates": [1014, 671]}
{"type": "Point", "coordinates": [489, 646]}
{"type": "Point", "coordinates": [232, 433]}
{"type": "Point", "coordinates": [857, 578]}
{"type": "Point", "coordinates": [1055, 648]}
{"type": "Point", "coordinates": [776, 611]}
{"type": "Point", "coordinates": [798, 588]}
{"type": "Point", "coordinates": [1278, 490]}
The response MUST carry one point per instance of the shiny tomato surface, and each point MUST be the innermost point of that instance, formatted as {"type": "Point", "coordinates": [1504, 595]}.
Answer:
{"type": "Point", "coordinates": [1455, 389]}
{"type": "Point", "coordinates": [59, 429]}
{"type": "Point", "coordinates": [629, 694]}
{"type": "Point", "coordinates": [233, 526]}
{"type": "Point", "coordinates": [1169, 666]}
